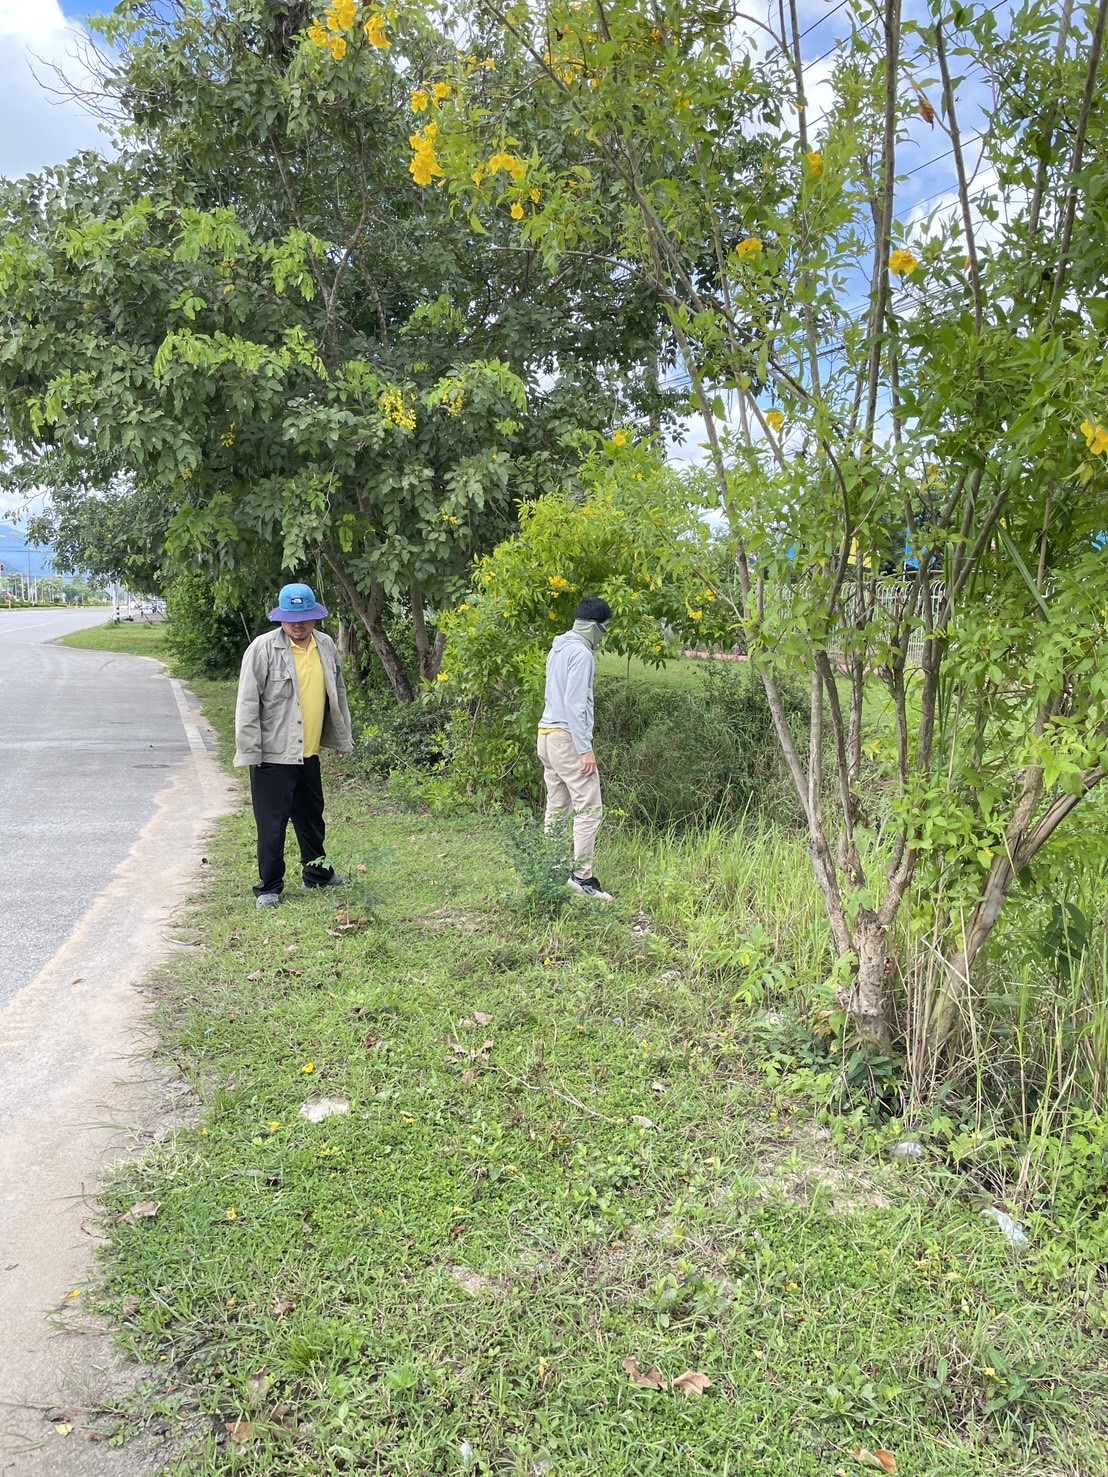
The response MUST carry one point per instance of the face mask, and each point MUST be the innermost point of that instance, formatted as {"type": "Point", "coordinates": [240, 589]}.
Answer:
{"type": "Point", "coordinates": [591, 631]}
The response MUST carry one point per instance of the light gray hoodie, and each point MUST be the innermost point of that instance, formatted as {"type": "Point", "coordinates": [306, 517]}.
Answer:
{"type": "Point", "coordinates": [570, 669]}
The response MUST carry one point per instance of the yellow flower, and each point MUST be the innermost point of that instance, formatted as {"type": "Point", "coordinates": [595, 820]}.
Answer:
{"type": "Point", "coordinates": [509, 163]}
{"type": "Point", "coordinates": [443, 677]}
{"type": "Point", "coordinates": [425, 165]}
{"type": "Point", "coordinates": [317, 35]}
{"type": "Point", "coordinates": [1096, 437]}
{"type": "Point", "coordinates": [775, 419]}
{"type": "Point", "coordinates": [232, 1214]}
{"type": "Point", "coordinates": [517, 211]}
{"type": "Point", "coordinates": [750, 247]}
{"type": "Point", "coordinates": [989, 1372]}
{"type": "Point", "coordinates": [273, 1125]}
{"type": "Point", "coordinates": [341, 15]}
{"type": "Point", "coordinates": [558, 582]}
{"type": "Point", "coordinates": [620, 438]}
{"type": "Point", "coordinates": [815, 164]}
{"type": "Point", "coordinates": [536, 196]}
{"type": "Point", "coordinates": [375, 32]}
{"type": "Point", "coordinates": [308, 1068]}
{"type": "Point", "coordinates": [393, 406]}
{"type": "Point", "coordinates": [441, 91]}
{"type": "Point", "coordinates": [694, 615]}
{"type": "Point", "coordinates": [338, 47]}
{"type": "Point", "coordinates": [902, 263]}
{"type": "Point", "coordinates": [420, 98]}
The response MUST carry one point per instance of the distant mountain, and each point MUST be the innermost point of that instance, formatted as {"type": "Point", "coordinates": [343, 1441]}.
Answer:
{"type": "Point", "coordinates": [19, 557]}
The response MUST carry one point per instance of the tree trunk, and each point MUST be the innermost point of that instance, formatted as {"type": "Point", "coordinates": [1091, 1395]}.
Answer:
{"type": "Point", "coordinates": [394, 668]}
{"type": "Point", "coordinates": [370, 613]}
{"type": "Point", "coordinates": [430, 652]}
{"type": "Point", "coordinates": [869, 1003]}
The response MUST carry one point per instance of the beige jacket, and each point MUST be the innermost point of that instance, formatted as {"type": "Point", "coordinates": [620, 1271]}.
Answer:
{"type": "Point", "coordinates": [269, 726]}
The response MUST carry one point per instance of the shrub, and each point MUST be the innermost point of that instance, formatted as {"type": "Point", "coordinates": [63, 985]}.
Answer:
{"type": "Point", "coordinates": [671, 756]}
{"type": "Point", "coordinates": [204, 639]}
{"type": "Point", "coordinates": [390, 737]}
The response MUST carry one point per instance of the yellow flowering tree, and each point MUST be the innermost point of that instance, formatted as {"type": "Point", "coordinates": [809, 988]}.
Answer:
{"type": "Point", "coordinates": [288, 339]}
{"type": "Point", "coordinates": [905, 429]}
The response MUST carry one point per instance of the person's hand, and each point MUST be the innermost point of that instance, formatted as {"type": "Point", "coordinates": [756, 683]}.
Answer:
{"type": "Point", "coordinates": [588, 763]}
{"type": "Point", "coordinates": [340, 753]}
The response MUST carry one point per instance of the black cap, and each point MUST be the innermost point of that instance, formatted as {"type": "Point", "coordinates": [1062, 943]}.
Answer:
{"type": "Point", "coordinates": [592, 608]}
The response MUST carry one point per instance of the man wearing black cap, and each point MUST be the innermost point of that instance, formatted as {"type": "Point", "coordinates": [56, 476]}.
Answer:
{"type": "Point", "coordinates": [291, 703]}
{"type": "Point", "coordinates": [565, 740]}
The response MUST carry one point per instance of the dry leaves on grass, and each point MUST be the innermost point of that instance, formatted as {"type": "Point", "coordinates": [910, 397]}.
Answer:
{"type": "Point", "coordinates": [142, 1210]}
{"type": "Point", "coordinates": [458, 1053]}
{"type": "Point", "coordinates": [281, 1306]}
{"type": "Point", "coordinates": [651, 1381]}
{"type": "Point", "coordinates": [884, 1461]}
{"type": "Point", "coordinates": [257, 1387]}
{"type": "Point", "coordinates": [691, 1383]}
{"type": "Point", "coordinates": [239, 1431]}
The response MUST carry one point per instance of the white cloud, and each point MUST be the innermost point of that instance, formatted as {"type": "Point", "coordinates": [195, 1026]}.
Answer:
{"type": "Point", "coordinates": [37, 127]}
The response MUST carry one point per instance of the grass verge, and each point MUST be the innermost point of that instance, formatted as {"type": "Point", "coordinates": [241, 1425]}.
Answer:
{"type": "Point", "coordinates": [127, 636]}
{"type": "Point", "coordinates": [559, 1154]}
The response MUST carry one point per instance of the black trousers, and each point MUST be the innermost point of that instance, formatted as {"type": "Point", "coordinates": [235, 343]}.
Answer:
{"type": "Point", "coordinates": [281, 793]}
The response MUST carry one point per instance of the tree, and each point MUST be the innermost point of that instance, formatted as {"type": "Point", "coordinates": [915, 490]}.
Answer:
{"type": "Point", "coordinates": [254, 334]}
{"type": "Point", "coordinates": [954, 418]}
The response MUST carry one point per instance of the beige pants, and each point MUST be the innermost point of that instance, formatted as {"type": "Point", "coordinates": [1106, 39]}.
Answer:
{"type": "Point", "coordinates": [567, 789]}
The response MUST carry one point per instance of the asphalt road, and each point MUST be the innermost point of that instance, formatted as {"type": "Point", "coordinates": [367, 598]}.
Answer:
{"type": "Point", "coordinates": [108, 790]}
{"type": "Point", "coordinates": [87, 740]}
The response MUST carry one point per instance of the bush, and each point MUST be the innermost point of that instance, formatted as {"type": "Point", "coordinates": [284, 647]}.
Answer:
{"type": "Point", "coordinates": [203, 640]}
{"type": "Point", "coordinates": [671, 756]}
{"type": "Point", "coordinates": [390, 737]}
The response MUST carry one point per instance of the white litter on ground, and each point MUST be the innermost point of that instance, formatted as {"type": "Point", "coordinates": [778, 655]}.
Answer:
{"type": "Point", "coordinates": [328, 1107]}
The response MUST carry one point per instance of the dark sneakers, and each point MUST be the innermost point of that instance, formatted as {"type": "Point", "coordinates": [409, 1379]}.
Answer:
{"type": "Point", "coordinates": [589, 887]}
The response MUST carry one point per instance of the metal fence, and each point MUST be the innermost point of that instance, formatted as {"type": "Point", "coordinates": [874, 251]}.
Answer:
{"type": "Point", "coordinates": [884, 608]}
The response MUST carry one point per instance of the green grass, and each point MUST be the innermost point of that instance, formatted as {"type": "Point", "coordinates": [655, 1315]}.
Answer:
{"type": "Point", "coordinates": [133, 637]}
{"type": "Point", "coordinates": [680, 672]}
{"type": "Point", "coordinates": [592, 1170]}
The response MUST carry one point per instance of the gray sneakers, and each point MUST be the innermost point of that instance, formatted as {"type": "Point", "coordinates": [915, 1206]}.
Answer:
{"type": "Point", "coordinates": [268, 900]}
{"type": "Point", "coordinates": [333, 881]}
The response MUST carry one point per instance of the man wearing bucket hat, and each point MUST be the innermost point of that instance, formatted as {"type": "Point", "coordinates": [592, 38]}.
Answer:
{"type": "Point", "coordinates": [291, 703]}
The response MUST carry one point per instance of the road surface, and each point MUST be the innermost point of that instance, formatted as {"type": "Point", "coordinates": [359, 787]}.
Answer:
{"type": "Point", "coordinates": [87, 739]}
{"type": "Point", "coordinates": [107, 790]}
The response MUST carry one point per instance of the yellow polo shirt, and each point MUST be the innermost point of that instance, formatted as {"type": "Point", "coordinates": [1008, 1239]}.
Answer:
{"type": "Point", "coordinates": [313, 694]}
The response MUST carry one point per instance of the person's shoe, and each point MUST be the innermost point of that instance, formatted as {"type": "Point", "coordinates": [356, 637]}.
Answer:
{"type": "Point", "coordinates": [267, 900]}
{"type": "Point", "coordinates": [333, 881]}
{"type": "Point", "coordinates": [589, 887]}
